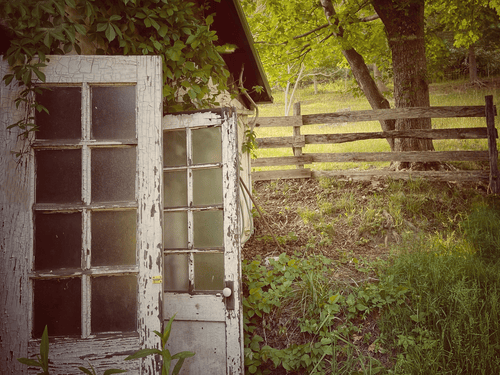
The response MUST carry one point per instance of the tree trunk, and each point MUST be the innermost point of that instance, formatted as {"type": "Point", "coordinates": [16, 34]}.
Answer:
{"type": "Point", "coordinates": [404, 24]}
{"type": "Point", "coordinates": [362, 75]}
{"type": "Point", "coordinates": [472, 64]}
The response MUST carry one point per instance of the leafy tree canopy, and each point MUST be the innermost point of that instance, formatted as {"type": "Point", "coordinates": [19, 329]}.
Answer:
{"type": "Point", "coordinates": [296, 31]}
{"type": "Point", "coordinates": [178, 30]}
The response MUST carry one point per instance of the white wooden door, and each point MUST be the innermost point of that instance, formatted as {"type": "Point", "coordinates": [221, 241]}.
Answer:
{"type": "Point", "coordinates": [202, 240]}
{"type": "Point", "coordinates": [96, 224]}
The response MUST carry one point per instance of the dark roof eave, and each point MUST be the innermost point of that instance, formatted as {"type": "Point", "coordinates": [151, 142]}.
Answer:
{"type": "Point", "coordinates": [238, 33]}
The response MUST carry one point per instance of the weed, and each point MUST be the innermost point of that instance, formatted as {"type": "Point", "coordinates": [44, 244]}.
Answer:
{"type": "Point", "coordinates": [448, 322]}
{"type": "Point", "coordinates": [482, 229]}
{"type": "Point", "coordinates": [316, 317]}
{"type": "Point", "coordinates": [164, 353]}
{"type": "Point", "coordinates": [308, 216]}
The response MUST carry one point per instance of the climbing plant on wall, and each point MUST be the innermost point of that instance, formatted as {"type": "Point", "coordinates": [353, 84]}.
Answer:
{"type": "Point", "coordinates": [178, 30]}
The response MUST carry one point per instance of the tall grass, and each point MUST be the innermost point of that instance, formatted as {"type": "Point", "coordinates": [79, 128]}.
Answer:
{"type": "Point", "coordinates": [334, 98]}
{"type": "Point", "coordinates": [449, 322]}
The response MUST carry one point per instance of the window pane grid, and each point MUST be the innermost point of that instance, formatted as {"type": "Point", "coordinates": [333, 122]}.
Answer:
{"type": "Point", "coordinates": [201, 169]}
{"type": "Point", "coordinates": [81, 205]}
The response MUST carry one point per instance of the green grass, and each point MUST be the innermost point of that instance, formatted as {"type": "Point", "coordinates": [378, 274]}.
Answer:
{"type": "Point", "coordinates": [434, 305]}
{"type": "Point", "coordinates": [449, 322]}
{"type": "Point", "coordinates": [333, 98]}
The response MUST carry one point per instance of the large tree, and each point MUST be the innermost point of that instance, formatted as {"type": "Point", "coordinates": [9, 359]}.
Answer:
{"type": "Point", "coordinates": [404, 23]}
{"type": "Point", "coordinates": [347, 29]}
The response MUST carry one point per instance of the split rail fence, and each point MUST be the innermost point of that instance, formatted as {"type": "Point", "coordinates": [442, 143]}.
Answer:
{"type": "Point", "coordinates": [297, 142]}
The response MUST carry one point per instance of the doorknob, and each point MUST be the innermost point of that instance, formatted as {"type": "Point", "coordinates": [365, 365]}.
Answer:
{"type": "Point", "coordinates": [227, 292]}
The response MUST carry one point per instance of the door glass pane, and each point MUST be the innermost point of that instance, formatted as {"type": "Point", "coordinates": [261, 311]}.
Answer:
{"type": "Point", "coordinates": [58, 176]}
{"type": "Point", "coordinates": [57, 304]}
{"type": "Point", "coordinates": [113, 238]}
{"type": "Point", "coordinates": [175, 231]}
{"type": "Point", "coordinates": [208, 271]}
{"type": "Point", "coordinates": [207, 145]}
{"type": "Point", "coordinates": [174, 148]}
{"type": "Point", "coordinates": [176, 273]}
{"type": "Point", "coordinates": [114, 304]}
{"type": "Point", "coordinates": [207, 186]}
{"type": "Point", "coordinates": [113, 112]}
{"type": "Point", "coordinates": [58, 240]}
{"type": "Point", "coordinates": [175, 189]}
{"type": "Point", "coordinates": [208, 229]}
{"type": "Point", "coordinates": [113, 174]}
{"type": "Point", "coordinates": [64, 120]}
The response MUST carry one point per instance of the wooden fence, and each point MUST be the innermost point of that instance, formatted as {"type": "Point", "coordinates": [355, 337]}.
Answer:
{"type": "Point", "coordinates": [297, 142]}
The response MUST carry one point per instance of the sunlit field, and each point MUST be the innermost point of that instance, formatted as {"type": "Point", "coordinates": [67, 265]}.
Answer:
{"type": "Point", "coordinates": [338, 97]}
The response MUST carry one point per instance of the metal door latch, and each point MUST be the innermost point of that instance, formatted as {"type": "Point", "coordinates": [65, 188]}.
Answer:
{"type": "Point", "coordinates": [228, 294]}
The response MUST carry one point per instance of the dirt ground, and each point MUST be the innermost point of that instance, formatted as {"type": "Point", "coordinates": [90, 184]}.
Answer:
{"type": "Point", "coordinates": [280, 203]}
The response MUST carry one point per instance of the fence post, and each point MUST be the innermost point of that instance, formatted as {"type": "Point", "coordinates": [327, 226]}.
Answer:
{"type": "Point", "coordinates": [297, 150]}
{"type": "Point", "coordinates": [492, 145]}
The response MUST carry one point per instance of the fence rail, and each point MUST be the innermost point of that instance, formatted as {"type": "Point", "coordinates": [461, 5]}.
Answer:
{"type": "Point", "coordinates": [297, 142]}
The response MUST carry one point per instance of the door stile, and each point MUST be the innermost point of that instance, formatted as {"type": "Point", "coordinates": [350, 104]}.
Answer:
{"type": "Point", "coordinates": [232, 244]}
{"type": "Point", "coordinates": [150, 198]}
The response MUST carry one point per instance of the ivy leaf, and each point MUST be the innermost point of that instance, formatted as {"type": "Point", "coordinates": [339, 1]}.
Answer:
{"type": "Point", "coordinates": [70, 32]}
{"type": "Point", "coordinates": [47, 40]}
{"type": "Point", "coordinates": [59, 8]}
{"type": "Point", "coordinates": [9, 77]}
{"type": "Point", "coordinates": [163, 30]}
{"type": "Point", "coordinates": [71, 3]}
{"type": "Point", "coordinates": [110, 33]}
{"type": "Point", "coordinates": [80, 29]}
{"type": "Point", "coordinates": [101, 27]}
{"type": "Point", "coordinates": [117, 30]}
{"type": "Point", "coordinates": [39, 74]}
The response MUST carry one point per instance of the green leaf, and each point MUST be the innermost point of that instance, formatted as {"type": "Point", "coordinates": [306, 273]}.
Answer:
{"type": "Point", "coordinates": [44, 349]}
{"type": "Point", "coordinates": [86, 371]}
{"type": "Point", "coordinates": [101, 27]}
{"type": "Point", "coordinates": [183, 355]}
{"type": "Point", "coordinates": [29, 362]}
{"type": "Point", "coordinates": [80, 29]}
{"type": "Point", "coordinates": [113, 371]}
{"type": "Point", "coordinates": [163, 31]}
{"type": "Point", "coordinates": [143, 353]}
{"type": "Point", "coordinates": [47, 40]}
{"type": "Point", "coordinates": [39, 74]}
{"type": "Point", "coordinates": [115, 17]}
{"type": "Point", "coordinates": [166, 332]}
{"type": "Point", "coordinates": [8, 79]}
{"type": "Point", "coordinates": [71, 3]}
{"type": "Point", "coordinates": [110, 33]}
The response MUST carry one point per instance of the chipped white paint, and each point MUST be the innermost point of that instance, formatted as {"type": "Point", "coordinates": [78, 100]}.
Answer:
{"type": "Point", "coordinates": [192, 120]}
{"type": "Point", "coordinates": [232, 245]}
{"type": "Point", "coordinates": [209, 308]}
{"type": "Point", "coordinates": [197, 314]}
{"type": "Point", "coordinates": [15, 242]}
{"type": "Point", "coordinates": [16, 221]}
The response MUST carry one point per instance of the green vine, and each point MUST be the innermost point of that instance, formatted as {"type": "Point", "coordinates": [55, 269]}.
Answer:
{"type": "Point", "coordinates": [177, 30]}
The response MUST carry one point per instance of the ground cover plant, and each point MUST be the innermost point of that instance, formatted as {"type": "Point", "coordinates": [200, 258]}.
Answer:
{"type": "Point", "coordinates": [373, 277]}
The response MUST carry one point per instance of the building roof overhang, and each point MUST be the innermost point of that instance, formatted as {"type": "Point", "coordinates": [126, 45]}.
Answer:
{"type": "Point", "coordinates": [232, 28]}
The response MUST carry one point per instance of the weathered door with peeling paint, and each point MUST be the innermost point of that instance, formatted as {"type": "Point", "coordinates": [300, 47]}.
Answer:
{"type": "Point", "coordinates": [202, 271]}
{"type": "Point", "coordinates": [92, 240]}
